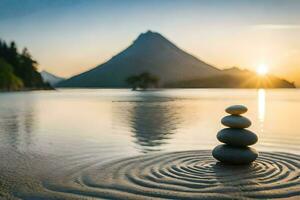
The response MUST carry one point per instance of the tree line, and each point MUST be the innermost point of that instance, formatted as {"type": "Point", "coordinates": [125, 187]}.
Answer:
{"type": "Point", "coordinates": [18, 70]}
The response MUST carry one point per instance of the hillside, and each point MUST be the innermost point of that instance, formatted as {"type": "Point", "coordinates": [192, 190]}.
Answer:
{"type": "Point", "coordinates": [18, 71]}
{"type": "Point", "coordinates": [8, 80]}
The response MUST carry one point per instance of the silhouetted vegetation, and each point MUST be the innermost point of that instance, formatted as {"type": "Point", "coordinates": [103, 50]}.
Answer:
{"type": "Point", "coordinates": [18, 70]}
{"type": "Point", "coordinates": [234, 78]}
{"type": "Point", "coordinates": [8, 81]}
{"type": "Point", "coordinates": [142, 81]}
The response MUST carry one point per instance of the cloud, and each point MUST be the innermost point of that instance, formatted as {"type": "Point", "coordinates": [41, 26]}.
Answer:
{"type": "Point", "coordinates": [276, 26]}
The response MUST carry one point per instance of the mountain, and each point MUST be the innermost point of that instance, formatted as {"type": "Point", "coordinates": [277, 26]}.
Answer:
{"type": "Point", "coordinates": [150, 52]}
{"type": "Point", "coordinates": [234, 78]}
{"type": "Point", "coordinates": [51, 78]}
{"type": "Point", "coordinates": [153, 53]}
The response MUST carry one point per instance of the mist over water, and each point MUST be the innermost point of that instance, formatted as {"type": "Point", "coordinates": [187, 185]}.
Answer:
{"type": "Point", "coordinates": [53, 142]}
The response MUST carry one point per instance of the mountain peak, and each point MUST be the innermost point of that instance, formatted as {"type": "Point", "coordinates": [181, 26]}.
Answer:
{"type": "Point", "coordinates": [150, 33]}
{"type": "Point", "coordinates": [150, 36]}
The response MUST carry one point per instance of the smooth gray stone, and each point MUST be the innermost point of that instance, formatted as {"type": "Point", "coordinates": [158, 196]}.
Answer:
{"type": "Point", "coordinates": [236, 109]}
{"type": "Point", "coordinates": [236, 121]}
{"type": "Point", "coordinates": [234, 155]}
{"type": "Point", "coordinates": [237, 137]}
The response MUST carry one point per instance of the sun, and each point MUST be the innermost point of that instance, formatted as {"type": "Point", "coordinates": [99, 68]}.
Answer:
{"type": "Point", "coordinates": [262, 70]}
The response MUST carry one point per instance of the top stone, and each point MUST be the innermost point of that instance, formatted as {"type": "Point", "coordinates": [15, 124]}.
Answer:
{"type": "Point", "coordinates": [236, 109]}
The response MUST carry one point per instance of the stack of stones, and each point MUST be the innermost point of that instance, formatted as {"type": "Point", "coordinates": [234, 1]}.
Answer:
{"type": "Point", "coordinates": [236, 138]}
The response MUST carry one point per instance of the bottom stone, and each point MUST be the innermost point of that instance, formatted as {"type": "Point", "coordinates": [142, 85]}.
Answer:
{"type": "Point", "coordinates": [234, 155]}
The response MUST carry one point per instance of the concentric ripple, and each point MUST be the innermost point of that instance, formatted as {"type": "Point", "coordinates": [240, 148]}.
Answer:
{"type": "Point", "coordinates": [190, 175]}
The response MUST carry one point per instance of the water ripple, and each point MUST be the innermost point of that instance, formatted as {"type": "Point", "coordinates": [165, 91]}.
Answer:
{"type": "Point", "coordinates": [188, 175]}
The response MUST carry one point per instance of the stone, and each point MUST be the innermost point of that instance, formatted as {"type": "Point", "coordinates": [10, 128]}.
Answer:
{"type": "Point", "coordinates": [236, 121]}
{"type": "Point", "coordinates": [234, 155]}
{"type": "Point", "coordinates": [237, 137]}
{"type": "Point", "coordinates": [236, 109]}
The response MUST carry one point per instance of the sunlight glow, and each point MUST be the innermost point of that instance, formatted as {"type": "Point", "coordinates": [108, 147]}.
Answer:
{"type": "Point", "coordinates": [262, 70]}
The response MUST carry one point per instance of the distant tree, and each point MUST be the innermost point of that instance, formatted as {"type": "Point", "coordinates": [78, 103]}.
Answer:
{"type": "Point", "coordinates": [133, 82]}
{"type": "Point", "coordinates": [143, 81]}
{"type": "Point", "coordinates": [29, 73]}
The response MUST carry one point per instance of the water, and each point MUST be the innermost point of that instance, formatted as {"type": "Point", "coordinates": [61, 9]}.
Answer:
{"type": "Point", "coordinates": [50, 139]}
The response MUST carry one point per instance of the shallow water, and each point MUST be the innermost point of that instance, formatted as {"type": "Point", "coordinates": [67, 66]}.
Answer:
{"type": "Point", "coordinates": [52, 141]}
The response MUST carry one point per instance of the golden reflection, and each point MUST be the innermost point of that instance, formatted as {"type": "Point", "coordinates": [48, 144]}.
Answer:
{"type": "Point", "coordinates": [261, 104]}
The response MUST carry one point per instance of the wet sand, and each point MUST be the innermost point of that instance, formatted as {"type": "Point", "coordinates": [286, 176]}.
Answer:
{"type": "Point", "coordinates": [186, 175]}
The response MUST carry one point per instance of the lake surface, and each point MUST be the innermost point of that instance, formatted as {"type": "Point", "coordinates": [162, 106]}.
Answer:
{"type": "Point", "coordinates": [50, 138]}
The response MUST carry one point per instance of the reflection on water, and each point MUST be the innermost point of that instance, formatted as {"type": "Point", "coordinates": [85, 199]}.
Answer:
{"type": "Point", "coordinates": [17, 125]}
{"type": "Point", "coordinates": [170, 120]}
{"type": "Point", "coordinates": [261, 104]}
{"type": "Point", "coordinates": [152, 122]}
{"type": "Point", "coordinates": [261, 98]}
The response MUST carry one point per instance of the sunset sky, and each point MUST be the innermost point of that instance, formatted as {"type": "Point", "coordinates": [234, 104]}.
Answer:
{"type": "Point", "coordinates": [70, 36]}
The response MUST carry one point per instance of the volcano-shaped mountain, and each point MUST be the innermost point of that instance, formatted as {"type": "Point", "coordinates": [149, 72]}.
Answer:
{"type": "Point", "coordinates": [150, 52]}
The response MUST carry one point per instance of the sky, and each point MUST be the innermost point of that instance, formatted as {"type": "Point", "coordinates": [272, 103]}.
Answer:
{"type": "Point", "coordinates": [68, 37]}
